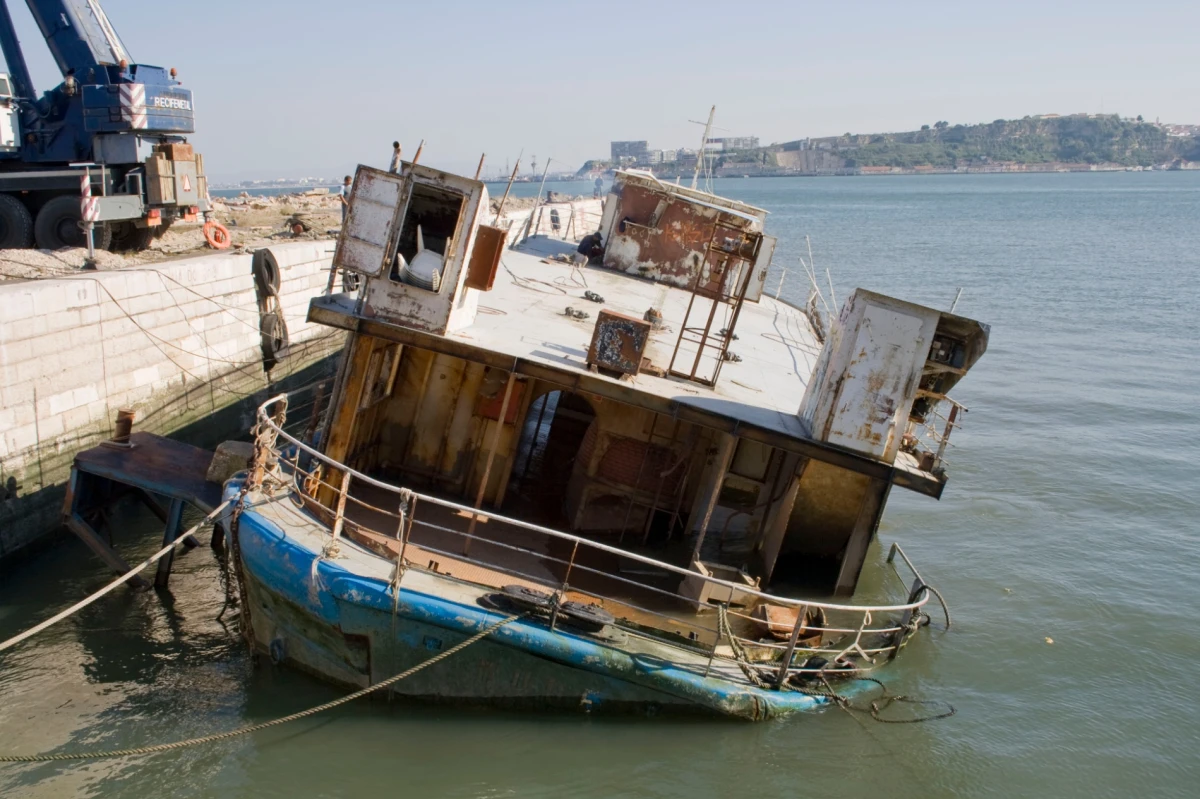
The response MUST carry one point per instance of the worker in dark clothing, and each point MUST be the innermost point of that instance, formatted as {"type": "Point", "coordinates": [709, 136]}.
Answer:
{"type": "Point", "coordinates": [591, 247]}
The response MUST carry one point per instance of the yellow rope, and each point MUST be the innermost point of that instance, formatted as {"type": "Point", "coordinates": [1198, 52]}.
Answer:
{"type": "Point", "coordinates": [145, 750]}
{"type": "Point", "coordinates": [124, 578]}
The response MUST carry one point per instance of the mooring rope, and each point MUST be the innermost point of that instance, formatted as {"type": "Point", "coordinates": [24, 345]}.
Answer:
{"type": "Point", "coordinates": [222, 736]}
{"type": "Point", "coordinates": [124, 578]}
{"type": "Point", "coordinates": [915, 594]}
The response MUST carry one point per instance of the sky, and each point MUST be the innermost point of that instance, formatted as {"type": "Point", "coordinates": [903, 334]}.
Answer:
{"type": "Point", "coordinates": [304, 88]}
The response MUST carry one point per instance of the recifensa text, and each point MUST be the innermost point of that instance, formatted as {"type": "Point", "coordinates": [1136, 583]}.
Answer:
{"type": "Point", "coordinates": [172, 102]}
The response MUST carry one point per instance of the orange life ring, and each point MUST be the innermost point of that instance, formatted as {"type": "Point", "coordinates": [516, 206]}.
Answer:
{"type": "Point", "coordinates": [217, 236]}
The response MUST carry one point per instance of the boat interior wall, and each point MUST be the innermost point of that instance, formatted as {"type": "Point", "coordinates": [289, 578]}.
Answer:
{"type": "Point", "coordinates": [656, 231]}
{"type": "Point", "coordinates": [635, 473]}
{"type": "Point", "coordinates": [438, 427]}
{"type": "Point", "coordinates": [832, 520]}
{"type": "Point", "coordinates": [593, 465]}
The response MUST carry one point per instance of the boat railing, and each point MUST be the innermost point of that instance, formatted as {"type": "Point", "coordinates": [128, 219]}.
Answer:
{"type": "Point", "coordinates": [702, 613]}
{"type": "Point", "coordinates": [928, 439]}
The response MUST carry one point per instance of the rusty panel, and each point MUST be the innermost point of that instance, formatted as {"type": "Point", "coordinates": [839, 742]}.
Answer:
{"type": "Point", "coordinates": [485, 257]}
{"type": "Point", "coordinates": [489, 407]}
{"type": "Point", "coordinates": [618, 342]}
{"type": "Point", "coordinates": [665, 236]}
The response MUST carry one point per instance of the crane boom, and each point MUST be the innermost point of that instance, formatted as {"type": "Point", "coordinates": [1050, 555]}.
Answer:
{"type": "Point", "coordinates": [78, 33]}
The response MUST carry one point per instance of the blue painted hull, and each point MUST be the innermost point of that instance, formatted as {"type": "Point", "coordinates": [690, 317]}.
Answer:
{"type": "Point", "coordinates": [346, 627]}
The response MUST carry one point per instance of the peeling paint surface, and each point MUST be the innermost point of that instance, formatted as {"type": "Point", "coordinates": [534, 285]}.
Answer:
{"type": "Point", "coordinates": [618, 342]}
{"type": "Point", "coordinates": [526, 664]}
{"type": "Point", "coordinates": [662, 232]}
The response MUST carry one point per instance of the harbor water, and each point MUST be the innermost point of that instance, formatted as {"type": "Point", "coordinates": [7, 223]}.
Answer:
{"type": "Point", "coordinates": [1066, 544]}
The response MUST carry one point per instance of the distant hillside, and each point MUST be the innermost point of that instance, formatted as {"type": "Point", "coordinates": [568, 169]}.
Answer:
{"type": "Point", "coordinates": [1089, 139]}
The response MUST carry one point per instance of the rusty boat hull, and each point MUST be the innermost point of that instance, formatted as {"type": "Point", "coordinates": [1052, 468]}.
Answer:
{"type": "Point", "coordinates": [340, 621]}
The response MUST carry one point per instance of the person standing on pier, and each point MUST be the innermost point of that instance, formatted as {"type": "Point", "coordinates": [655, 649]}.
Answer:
{"type": "Point", "coordinates": [344, 196]}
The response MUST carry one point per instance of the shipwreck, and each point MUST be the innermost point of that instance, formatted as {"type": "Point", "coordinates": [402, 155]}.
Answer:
{"type": "Point", "coordinates": [650, 481]}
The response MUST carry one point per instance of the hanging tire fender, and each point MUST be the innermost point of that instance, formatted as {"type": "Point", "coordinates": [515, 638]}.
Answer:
{"type": "Point", "coordinates": [267, 277]}
{"type": "Point", "coordinates": [274, 338]}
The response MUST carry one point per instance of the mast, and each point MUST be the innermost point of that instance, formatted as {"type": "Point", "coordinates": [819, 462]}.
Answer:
{"type": "Point", "coordinates": [703, 145]}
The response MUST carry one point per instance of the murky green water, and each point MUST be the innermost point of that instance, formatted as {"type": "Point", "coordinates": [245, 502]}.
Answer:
{"type": "Point", "coordinates": [1072, 514]}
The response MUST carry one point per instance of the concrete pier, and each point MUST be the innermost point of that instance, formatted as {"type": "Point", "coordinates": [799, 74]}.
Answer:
{"type": "Point", "coordinates": [180, 342]}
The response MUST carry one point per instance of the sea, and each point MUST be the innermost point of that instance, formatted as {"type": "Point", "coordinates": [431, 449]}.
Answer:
{"type": "Point", "coordinates": [1067, 545]}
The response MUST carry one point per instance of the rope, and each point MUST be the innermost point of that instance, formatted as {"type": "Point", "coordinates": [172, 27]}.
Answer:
{"type": "Point", "coordinates": [739, 652]}
{"type": "Point", "coordinates": [916, 593]}
{"type": "Point", "coordinates": [126, 577]}
{"type": "Point", "coordinates": [527, 282]}
{"type": "Point", "coordinates": [878, 705]}
{"type": "Point", "coordinates": [223, 736]}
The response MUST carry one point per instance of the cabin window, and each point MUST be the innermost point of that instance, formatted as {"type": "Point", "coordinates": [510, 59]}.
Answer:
{"type": "Point", "coordinates": [427, 236]}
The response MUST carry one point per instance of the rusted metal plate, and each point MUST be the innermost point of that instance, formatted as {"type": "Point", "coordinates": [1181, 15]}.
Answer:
{"type": "Point", "coordinates": [485, 257]}
{"type": "Point", "coordinates": [618, 342]}
{"type": "Point", "coordinates": [662, 231]}
{"type": "Point", "coordinates": [489, 407]}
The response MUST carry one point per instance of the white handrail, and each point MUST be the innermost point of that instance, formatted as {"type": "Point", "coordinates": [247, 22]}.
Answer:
{"type": "Point", "coordinates": [265, 418]}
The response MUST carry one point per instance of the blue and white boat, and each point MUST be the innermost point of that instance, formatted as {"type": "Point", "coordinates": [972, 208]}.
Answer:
{"type": "Point", "coordinates": [650, 483]}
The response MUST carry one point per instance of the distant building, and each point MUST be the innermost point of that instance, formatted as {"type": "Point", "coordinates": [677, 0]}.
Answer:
{"type": "Point", "coordinates": [733, 143]}
{"type": "Point", "coordinates": [635, 150]}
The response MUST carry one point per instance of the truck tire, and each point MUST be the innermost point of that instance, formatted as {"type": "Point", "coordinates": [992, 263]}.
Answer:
{"type": "Point", "coordinates": [128, 237]}
{"type": "Point", "coordinates": [58, 226]}
{"type": "Point", "coordinates": [16, 225]}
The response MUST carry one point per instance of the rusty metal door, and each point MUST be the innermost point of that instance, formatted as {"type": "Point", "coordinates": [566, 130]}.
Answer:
{"type": "Point", "coordinates": [374, 203]}
{"type": "Point", "coordinates": [762, 265]}
{"type": "Point", "coordinates": [863, 416]}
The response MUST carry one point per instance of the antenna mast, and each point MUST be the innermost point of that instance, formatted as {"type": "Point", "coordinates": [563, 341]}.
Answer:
{"type": "Point", "coordinates": [700, 156]}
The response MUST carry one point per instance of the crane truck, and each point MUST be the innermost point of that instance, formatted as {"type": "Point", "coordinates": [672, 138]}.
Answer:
{"type": "Point", "coordinates": [113, 129]}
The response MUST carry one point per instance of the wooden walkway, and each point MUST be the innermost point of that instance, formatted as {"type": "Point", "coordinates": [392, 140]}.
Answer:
{"type": "Point", "coordinates": [151, 468]}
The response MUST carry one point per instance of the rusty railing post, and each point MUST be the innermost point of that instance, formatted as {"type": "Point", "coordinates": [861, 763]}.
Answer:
{"type": "Point", "coordinates": [791, 647]}
{"type": "Point", "coordinates": [937, 459]}
{"type": "Point", "coordinates": [339, 516]}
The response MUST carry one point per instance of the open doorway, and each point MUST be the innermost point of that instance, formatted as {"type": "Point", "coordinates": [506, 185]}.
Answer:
{"type": "Point", "coordinates": [431, 222]}
{"type": "Point", "coordinates": [554, 428]}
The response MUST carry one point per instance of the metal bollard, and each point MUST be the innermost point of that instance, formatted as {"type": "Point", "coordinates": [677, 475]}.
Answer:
{"type": "Point", "coordinates": [124, 427]}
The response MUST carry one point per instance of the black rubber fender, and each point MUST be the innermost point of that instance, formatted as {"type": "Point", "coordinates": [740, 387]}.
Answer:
{"type": "Point", "coordinates": [274, 338]}
{"type": "Point", "coordinates": [267, 277]}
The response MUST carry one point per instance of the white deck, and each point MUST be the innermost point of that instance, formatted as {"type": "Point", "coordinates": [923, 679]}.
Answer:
{"type": "Point", "coordinates": [523, 317]}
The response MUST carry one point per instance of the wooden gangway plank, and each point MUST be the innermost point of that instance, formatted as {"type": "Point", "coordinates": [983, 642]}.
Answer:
{"type": "Point", "coordinates": [153, 466]}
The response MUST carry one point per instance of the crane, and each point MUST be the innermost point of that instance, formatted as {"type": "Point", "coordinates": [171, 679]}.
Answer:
{"type": "Point", "coordinates": [113, 128]}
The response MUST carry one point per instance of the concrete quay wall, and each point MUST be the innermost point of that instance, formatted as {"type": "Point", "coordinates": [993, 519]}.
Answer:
{"type": "Point", "coordinates": [179, 342]}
